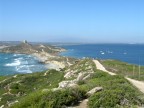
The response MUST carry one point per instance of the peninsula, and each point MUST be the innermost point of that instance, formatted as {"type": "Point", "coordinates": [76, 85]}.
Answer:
{"type": "Point", "coordinates": [71, 82]}
{"type": "Point", "coordinates": [45, 53]}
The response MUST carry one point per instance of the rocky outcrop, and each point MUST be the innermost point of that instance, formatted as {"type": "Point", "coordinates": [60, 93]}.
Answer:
{"type": "Point", "coordinates": [67, 84]}
{"type": "Point", "coordinates": [94, 90]}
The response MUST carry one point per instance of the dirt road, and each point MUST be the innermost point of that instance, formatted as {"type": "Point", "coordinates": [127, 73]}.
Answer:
{"type": "Point", "coordinates": [138, 84]}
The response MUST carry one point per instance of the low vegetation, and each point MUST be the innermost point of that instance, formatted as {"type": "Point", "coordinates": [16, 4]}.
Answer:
{"type": "Point", "coordinates": [36, 90]}
{"type": "Point", "coordinates": [122, 68]}
{"type": "Point", "coordinates": [14, 88]}
{"type": "Point", "coordinates": [50, 99]}
{"type": "Point", "coordinates": [117, 92]}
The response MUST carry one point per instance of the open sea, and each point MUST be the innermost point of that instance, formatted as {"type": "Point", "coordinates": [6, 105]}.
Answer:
{"type": "Point", "coordinates": [19, 63]}
{"type": "Point", "coordinates": [131, 53]}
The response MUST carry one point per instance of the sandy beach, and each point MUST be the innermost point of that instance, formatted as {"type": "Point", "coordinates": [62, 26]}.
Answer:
{"type": "Point", "coordinates": [48, 59]}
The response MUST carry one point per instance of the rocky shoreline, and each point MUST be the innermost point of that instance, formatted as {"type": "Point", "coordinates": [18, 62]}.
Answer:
{"type": "Point", "coordinates": [46, 54]}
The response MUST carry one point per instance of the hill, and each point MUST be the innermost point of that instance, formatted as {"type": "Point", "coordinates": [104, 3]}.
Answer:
{"type": "Point", "coordinates": [68, 87]}
{"type": "Point", "coordinates": [72, 83]}
{"type": "Point", "coordinates": [45, 53]}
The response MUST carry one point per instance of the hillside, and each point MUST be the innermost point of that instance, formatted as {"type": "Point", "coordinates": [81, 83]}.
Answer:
{"type": "Point", "coordinates": [68, 88]}
{"type": "Point", "coordinates": [27, 48]}
{"type": "Point", "coordinates": [123, 68]}
{"type": "Point", "coordinates": [70, 83]}
{"type": "Point", "coordinates": [45, 53]}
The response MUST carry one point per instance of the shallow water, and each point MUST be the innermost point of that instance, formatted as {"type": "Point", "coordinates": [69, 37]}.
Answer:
{"type": "Point", "coordinates": [19, 63]}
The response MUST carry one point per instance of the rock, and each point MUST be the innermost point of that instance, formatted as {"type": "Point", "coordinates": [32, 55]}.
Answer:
{"type": "Point", "coordinates": [80, 76]}
{"type": "Point", "coordinates": [56, 89]}
{"type": "Point", "coordinates": [2, 106]}
{"type": "Point", "coordinates": [124, 102]}
{"type": "Point", "coordinates": [14, 76]}
{"type": "Point", "coordinates": [68, 75]}
{"type": "Point", "coordinates": [94, 90]}
{"type": "Point", "coordinates": [86, 77]}
{"type": "Point", "coordinates": [72, 85]}
{"type": "Point", "coordinates": [11, 103]}
{"type": "Point", "coordinates": [65, 84]}
{"type": "Point", "coordinates": [83, 104]}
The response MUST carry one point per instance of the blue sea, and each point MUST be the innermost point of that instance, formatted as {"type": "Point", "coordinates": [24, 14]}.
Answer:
{"type": "Point", "coordinates": [131, 53]}
{"type": "Point", "coordinates": [19, 63]}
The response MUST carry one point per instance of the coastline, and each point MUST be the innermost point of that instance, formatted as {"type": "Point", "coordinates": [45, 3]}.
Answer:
{"type": "Point", "coordinates": [46, 54]}
{"type": "Point", "coordinates": [47, 59]}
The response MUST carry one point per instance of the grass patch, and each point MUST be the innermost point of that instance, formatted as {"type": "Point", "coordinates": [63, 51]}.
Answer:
{"type": "Point", "coordinates": [25, 84]}
{"type": "Point", "coordinates": [125, 69]}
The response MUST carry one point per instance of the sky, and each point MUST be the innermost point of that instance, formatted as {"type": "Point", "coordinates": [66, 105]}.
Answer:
{"type": "Point", "coordinates": [91, 21]}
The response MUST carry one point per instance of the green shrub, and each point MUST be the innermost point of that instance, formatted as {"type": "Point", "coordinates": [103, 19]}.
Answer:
{"type": "Point", "coordinates": [117, 92]}
{"type": "Point", "coordinates": [51, 99]}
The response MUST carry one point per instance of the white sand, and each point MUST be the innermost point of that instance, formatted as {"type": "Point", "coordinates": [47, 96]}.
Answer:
{"type": "Point", "coordinates": [101, 67]}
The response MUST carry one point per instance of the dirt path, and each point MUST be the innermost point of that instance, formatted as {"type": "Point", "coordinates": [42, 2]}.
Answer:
{"type": "Point", "coordinates": [101, 67]}
{"type": "Point", "coordinates": [83, 104]}
{"type": "Point", "coordinates": [138, 84]}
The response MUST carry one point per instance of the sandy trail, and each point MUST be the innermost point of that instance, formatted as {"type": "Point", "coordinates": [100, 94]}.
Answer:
{"type": "Point", "coordinates": [83, 104]}
{"type": "Point", "coordinates": [101, 67]}
{"type": "Point", "coordinates": [138, 84]}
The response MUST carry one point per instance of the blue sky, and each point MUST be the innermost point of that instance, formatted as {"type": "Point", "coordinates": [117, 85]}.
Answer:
{"type": "Point", "coordinates": [100, 21]}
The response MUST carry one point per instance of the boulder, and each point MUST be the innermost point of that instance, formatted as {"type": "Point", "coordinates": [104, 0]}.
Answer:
{"type": "Point", "coordinates": [72, 85]}
{"type": "Point", "coordinates": [56, 89]}
{"type": "Point", "coordinates": [64, 84]}
{"type": "Point", "coordinates": [80, 76]}
{"type": "Point", "coordinates": [94, 90]}
{"type": "Point", "coordinates": [87, 77]}
{"type": "Point", "coordinates": [68, 75]}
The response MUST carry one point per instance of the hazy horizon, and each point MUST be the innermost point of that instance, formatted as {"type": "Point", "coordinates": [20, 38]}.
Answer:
{"type": "Point", "coordinates": [75, 21]}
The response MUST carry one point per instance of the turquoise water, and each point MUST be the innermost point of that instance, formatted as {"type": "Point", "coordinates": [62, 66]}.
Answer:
{"type": "Point", "coordinates": [19, 63]}
{"type": "Point", "coordinates": [131, 53]}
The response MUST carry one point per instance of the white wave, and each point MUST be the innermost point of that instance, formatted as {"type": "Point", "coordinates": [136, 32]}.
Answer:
{"type": "Point", "coordinates": [29, 56]}
{"type": "Point", "coordinates": [102, 53]}
{"type": "Point", "coordinates": [21, 58]}
{"type": "Point", "coordinates": [5, 58]}
{"type": "Point", "coordinates": [23, 69]}
{"type": "Point", "coordinates": [31, 65]}
{"type": "Point", "coordinates": [15, 63]}
{"type": "Point", "coordinates": [15, 55]}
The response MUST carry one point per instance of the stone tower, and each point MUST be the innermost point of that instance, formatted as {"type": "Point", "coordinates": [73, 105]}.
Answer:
{"type": "Point", "coordinates": [24, 41]}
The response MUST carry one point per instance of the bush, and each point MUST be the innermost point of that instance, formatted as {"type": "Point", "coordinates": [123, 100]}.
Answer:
{"type": "Point", "coordinates": [117, 92]}
{"type": "Point", "coordinates": [51, 99]}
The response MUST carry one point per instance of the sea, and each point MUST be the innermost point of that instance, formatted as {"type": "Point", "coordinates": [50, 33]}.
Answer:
{"type": "Point", "coordinates": [19, 63]}
{"type": "Point", "coordinates": [130, 53]}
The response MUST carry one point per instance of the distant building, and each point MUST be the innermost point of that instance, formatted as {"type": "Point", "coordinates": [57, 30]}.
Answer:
{"type": "Point", "coordinates": [24, 41]}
